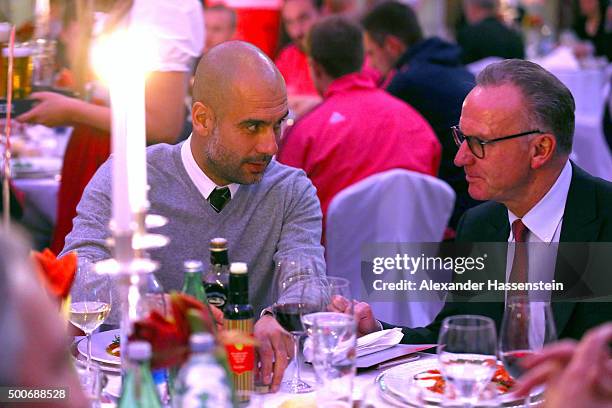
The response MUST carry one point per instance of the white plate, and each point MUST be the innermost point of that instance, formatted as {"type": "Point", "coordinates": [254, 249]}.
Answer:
{"type": "Point", "coordinates": [398, 384]}
{"type": "Point", "coordinates": [99, 343]}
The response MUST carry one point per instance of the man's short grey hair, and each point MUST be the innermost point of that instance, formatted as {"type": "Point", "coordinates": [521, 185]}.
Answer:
{"type": "Point", "coordinates": [549, 104]}
{"type": "Point", "coordinates": [490, 5]}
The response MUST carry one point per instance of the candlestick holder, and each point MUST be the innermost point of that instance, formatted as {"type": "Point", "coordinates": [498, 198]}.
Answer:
{"type": "Point", "coordinates": [130, 267]}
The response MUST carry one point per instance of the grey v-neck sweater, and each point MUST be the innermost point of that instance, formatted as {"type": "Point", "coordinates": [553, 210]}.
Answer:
{"type": "Point", "coordinates": [276, 218]}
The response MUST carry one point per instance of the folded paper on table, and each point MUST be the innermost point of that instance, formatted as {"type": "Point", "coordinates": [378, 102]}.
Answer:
{"type": "Point", "coordinates": [378, 341]}
{"type": "Point", "coordinates": [376, 348]}
{"type": "Point", "coordinates": [398, 354]}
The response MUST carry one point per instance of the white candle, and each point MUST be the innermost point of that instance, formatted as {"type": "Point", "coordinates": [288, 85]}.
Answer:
{"type": "Point", "coordinates": [127, 94]}
{"type": "Point", "coordinates": [122, 214]}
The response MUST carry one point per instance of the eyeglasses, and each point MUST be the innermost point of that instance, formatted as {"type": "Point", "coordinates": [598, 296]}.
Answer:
{"type": "Point", "coordinates": [477, 145]}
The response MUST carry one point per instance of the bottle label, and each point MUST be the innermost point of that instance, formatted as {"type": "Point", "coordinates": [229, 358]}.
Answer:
{"type": "Point", "coordinates": [216, 299]}
{"type": "Point", "coordinates": [241, 359]}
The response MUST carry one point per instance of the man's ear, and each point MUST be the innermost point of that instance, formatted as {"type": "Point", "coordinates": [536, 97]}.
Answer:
{"type": "Point", "coordinates": [543, 148]}
{"type": "Point", "coordinates": [394, 46]}
{"type": "Point", "coordinates": [202, 118]}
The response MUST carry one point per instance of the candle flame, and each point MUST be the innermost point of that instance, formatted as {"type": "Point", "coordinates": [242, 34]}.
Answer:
{"type": "Point", "coordinates": [123, 54]}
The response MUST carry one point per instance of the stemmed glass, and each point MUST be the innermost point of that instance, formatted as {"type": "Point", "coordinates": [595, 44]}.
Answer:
{"type": "Point", "coordinates": [526, 328]}
{"type": "Point", "coordinates": [90, 301]}
{"type": "Point", "coordinates": [327, 295]}
{"type": "Point", "coordinates": [291, 303]}
{"type": "Point", "coordinates": [467, 349]}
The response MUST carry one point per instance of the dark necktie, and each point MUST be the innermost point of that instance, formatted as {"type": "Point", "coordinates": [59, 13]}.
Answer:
{"type": "Point", "coordinates": [520, 262]}
{"type": "Point", "coordinates": [219, 197]}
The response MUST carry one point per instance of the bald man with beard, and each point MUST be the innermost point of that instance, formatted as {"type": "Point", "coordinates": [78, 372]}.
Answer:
{"type": "Point", "coordinates": [223, 182]}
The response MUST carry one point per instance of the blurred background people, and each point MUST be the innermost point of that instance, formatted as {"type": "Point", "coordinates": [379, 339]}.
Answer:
{"type": "Point", "coordinates": [358, 130]}
{"type": "Point", "coordinates": [426, 73]}
{"type": "Point", "coordinates": [594, 24]}
{"type": "Point", "coordinates": [34, 346]}
{"type": "Point", "coordinates": [486, 35]}
{"type": "Point", "coordinates": [298, 16]}
{"type": "Point", "coordinates": [177, 30]}
{"type": "Point", "coordinates": [220, 23]}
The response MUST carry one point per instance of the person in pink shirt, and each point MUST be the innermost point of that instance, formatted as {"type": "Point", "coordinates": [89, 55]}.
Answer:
{"type": "Point", "coordinates": [358, 130]}
{"type": "Point", "coordinates": [298, 16]}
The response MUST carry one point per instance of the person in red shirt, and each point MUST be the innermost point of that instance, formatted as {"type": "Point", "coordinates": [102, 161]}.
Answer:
{"type": "Point", "coordinates": [298, 16]}
{"type": "Point", "coordinates": [358, 130]}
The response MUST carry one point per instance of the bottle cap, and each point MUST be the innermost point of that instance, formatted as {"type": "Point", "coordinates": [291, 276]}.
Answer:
{"type": "Point", "coordinates": [201, 342]}
{"type": "Point", "coordinates": [238, 268]}
{"type": "Point", "coordinates": [193, 266]}
{"type": "Point", "coordinates": [218, 244]}
{"type": "Point", "coordinates": [139, 350]}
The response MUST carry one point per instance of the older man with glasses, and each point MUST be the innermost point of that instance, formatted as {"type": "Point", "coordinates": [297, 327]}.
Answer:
{"type": "Point", "coordinates": [514, 138]}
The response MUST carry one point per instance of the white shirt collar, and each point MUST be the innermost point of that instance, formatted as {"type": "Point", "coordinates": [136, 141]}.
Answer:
{"type": "Point", "coordinates": [544, 219]}
{"type": "Point", "coordinates": [202, 182]}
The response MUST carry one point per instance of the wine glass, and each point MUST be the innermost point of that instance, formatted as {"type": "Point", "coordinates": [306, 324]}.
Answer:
{"type": "Point", "coordinates": [467, 348]}
{"type": "Point", "coordinates": [526, 328]}
{"type": "Point", "coordinates": [292, 277]}
{"type": "Point", "coordinates": [90, 301]}
{"type": "Point", "coordinates": [326, 295]}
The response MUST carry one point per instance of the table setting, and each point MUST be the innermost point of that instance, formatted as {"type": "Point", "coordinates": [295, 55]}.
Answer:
{"type": "Point", "coordinates": [473, 365]}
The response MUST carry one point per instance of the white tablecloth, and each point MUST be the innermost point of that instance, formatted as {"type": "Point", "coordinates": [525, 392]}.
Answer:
{"type": "Point", "coordinates": [363, 383]}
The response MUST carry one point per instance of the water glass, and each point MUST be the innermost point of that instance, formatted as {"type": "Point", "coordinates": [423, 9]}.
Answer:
{"type": "Point", "coordinates": [334, 342]}
{"type": "Point", "coordinates": [526, 328]}
{"type": "Point", "coordinates": [92, 380]}
{"type": "Point", "coordinates": [467, 349]}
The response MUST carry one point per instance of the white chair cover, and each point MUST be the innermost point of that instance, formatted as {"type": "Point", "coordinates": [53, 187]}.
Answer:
{"type": "Point", "coordinates": [391, 207]}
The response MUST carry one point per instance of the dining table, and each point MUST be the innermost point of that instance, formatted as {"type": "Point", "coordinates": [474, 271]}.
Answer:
{"type": "Point", "coordinates": [366, 390]}
{"type": "Point", "coordinates": [38, 153]}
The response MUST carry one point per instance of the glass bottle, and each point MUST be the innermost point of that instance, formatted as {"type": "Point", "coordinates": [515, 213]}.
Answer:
{"type": "Point", "coordinates": [138, 389]}
{"type": "Point", "coordinates": [192, 283]}
{"type": "Point", "coordinates": [217, 278]}
{"type": "Point", "coordinates": [202, 382]}
{"type": "Point", "coordinates": [238, 315]}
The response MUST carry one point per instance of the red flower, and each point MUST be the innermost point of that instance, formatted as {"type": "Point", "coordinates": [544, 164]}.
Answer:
{"type": "Point", "coordinates": [57, 274]}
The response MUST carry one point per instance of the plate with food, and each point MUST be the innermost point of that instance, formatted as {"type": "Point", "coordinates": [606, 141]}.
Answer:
{"type": "Point", "coordinates": [104, 347]}
{"type": "Point", "coordinates": [418, 382]}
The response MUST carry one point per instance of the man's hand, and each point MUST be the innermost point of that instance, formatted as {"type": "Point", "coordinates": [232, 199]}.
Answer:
{"type": "Point", "coordinates": [52, 109]}
{"type": "Point", "coordinates": [275, 349]}
{"type": "Point", "coordinates": [217, 315]}
{"type": "Point", "coordinates": [581, 374]}
{"type": "Point", "coordinates": [366, 323]}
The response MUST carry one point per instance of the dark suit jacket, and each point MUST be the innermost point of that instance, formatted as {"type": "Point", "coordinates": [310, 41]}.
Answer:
{"type": "Point", "coordinates": [490, 38]}
{"type": "Point", "coordinates": [431, 78]}
{"type": "Point", "coordinates": [587, 218]}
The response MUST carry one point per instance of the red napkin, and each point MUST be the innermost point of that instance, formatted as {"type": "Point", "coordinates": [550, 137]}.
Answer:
{"type": "Point", "coordinates": [57, 274]}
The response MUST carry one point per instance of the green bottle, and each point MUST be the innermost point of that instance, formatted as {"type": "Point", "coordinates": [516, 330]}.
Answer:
{"type": "Point", "coordinates": [192, 284]}
{"type": "Point", "coordinates": [138, 388]}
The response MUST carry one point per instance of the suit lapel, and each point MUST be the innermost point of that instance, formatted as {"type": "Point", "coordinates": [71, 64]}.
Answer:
{"type": "Point", "coordinates": [580, 224]}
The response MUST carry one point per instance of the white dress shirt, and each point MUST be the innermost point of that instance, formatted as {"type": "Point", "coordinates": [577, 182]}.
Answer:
{"type": "Point", "coordinates": [544, 223]}
{"type": "Point", "coordinates": [202, 182]}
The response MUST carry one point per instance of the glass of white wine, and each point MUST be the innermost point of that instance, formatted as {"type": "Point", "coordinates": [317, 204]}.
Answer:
{"type": "Point", "coordinates": [90, 300]}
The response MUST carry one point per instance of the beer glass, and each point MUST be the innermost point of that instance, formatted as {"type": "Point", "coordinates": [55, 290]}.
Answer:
{"type": "Point", "coordinates": [22, 71]}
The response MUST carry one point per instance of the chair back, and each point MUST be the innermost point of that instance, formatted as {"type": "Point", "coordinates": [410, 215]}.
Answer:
{"type": "Point", "coordinates": [395, 206]}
